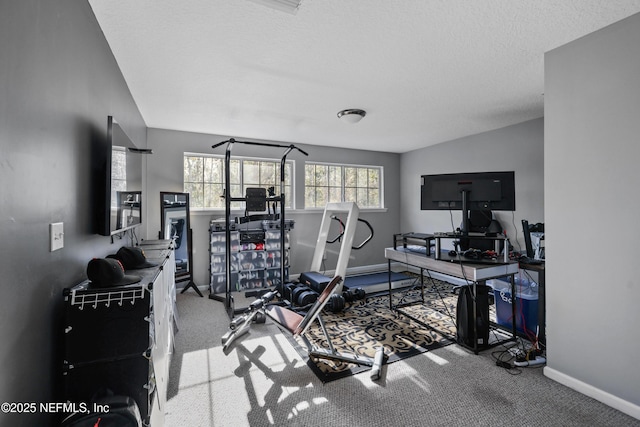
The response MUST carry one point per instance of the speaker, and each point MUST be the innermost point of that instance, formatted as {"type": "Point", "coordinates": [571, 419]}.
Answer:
{"type": "Point", "coordinates": [465, 320]}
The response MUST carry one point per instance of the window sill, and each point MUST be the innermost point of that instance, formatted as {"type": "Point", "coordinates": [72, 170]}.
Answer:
{"type": "Point", "coordinates": [221, 212]}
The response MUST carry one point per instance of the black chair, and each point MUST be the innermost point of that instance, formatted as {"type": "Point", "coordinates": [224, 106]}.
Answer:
{"type": "Point", "coordinates": [481, 221]}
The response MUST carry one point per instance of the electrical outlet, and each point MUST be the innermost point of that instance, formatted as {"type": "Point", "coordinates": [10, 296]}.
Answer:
{"type": "Point", "coordinates": [56, 236]}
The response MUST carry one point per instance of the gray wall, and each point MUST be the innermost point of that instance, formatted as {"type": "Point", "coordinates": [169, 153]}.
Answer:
{"type": "Point", "coordinates": [59, 81]}
{"type": "Point", "coordinates": [516, 148]}
{"type": "Point", "coordinates": [165, 173]}
{"type": "Point", "coordinates": [592, 128]}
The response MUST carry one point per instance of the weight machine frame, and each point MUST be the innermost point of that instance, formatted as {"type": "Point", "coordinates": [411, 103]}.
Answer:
{"type": "Point", "coordinates": [347, 235]}
{"type": "Point", "coordinates": [228, 298]}
{"type": "Point", "coordinates": [297, 325]}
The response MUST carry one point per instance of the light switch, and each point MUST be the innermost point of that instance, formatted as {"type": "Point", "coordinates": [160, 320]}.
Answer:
{"type": "Point", "coordinates": [56, 236]}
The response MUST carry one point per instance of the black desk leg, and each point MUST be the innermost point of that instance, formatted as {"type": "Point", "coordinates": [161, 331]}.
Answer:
{"type": "Point", "coordinates": [389, 277]}
{"type": "Point", "coordinates": [542, 321]}
{"type": "Point", "coordinates": [513, 306]}
{"type": "Point", "coordinates": [476, 350]}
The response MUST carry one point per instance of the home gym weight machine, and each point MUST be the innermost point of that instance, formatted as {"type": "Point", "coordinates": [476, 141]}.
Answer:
{"type": "Point", "coordinates": [289, 320]}
{"type": "Point", "coordinates": [228, 297]}
{"type": "Point", "coordinates": [300, 296]}
{"type": "Point", "coordinates": [297, 325]}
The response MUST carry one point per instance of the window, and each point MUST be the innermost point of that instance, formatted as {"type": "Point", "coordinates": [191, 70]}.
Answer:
{"type": "Point", "coordinates": [325, 183]}
{"type": "Point", "coordinates": [118, 173]}
{"type": "Point", "coordinates": [204, 179]}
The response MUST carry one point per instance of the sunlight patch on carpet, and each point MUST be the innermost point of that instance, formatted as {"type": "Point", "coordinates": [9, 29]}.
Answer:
{"type": "Point", "coordinates": [435, 358]}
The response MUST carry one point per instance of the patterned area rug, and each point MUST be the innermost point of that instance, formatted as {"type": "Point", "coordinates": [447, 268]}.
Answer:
{"type": "Point", "coordinates": [363, 326]}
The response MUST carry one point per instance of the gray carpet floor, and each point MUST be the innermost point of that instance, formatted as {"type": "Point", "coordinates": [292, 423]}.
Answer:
{"type": "Point", "coordinates": [264, 382]}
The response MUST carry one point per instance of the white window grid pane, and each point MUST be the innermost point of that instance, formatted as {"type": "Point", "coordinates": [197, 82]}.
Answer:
{"type": "Point", "coordinates": [208, 177]}
{"type": "Point", "coordinates": [360, 184]}
{"type": "Point", "coordinates": [118, 174]}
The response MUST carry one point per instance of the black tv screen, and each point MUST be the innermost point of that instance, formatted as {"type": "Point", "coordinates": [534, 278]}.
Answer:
{"type": "Point", "coordinates": [483, 191]}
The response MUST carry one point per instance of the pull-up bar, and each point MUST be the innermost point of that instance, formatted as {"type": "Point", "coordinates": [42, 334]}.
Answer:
{"type": "Point", "coordinates": [228, 300]}
{"type": "Point", "coordinates": [232, 141]}
{"type": "Point", "coordinates": [264, 144]}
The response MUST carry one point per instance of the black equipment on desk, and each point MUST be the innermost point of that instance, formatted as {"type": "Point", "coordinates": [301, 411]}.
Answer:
{"type": "Point", "coordinates": [534, 255]}
{"type": "Point", "coordinates": [481, 223]}
{"type": "Point", "coordinates": [464, 316]}
{"type": "Point", "coordinates": [493, 191]}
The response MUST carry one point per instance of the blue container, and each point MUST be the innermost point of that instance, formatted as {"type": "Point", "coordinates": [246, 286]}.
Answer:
{"type": "Point", "coordinates": [526, 305]}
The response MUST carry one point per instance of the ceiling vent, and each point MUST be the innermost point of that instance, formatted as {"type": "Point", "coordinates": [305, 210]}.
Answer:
{"type": "Point", "coordinates": [289, 6]}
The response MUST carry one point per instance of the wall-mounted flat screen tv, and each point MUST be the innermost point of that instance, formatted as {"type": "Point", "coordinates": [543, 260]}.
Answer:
{"type": "Point", "coordinates": [119, 201]}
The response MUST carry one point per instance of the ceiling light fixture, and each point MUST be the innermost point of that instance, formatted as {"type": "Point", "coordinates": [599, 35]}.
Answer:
{"type": "Point", "coordinates": [351, 115]}
{"type": "Point", "coordinates": [289, 6]}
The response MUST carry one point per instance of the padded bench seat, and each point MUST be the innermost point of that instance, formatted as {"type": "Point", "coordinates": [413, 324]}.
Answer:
{"type": "Point", "coordinates": [287, 318]}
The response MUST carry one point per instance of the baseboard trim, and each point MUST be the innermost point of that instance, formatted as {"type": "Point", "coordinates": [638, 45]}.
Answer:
{"type": "Point", "coordinates": [593, 392]}
{"type": "Point", "coordinates": [351, 271]}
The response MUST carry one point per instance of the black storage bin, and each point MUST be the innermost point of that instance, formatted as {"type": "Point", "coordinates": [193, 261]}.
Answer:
{"type": "Point", "coordinates": [119, 411]}
{"type": "Point", "coordinates": [108, 338]}
{"type": "Point", "coordinates": [107, 329]}
{"type": "Point", "coordinates": [124, 377]}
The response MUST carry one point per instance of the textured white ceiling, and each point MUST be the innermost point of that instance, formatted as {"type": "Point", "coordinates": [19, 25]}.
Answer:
{"type": "Point", "coordinates": [426, 71]}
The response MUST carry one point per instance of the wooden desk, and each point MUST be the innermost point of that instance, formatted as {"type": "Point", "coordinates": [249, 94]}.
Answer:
{"type": "Point", "coordinates": [472, 273]}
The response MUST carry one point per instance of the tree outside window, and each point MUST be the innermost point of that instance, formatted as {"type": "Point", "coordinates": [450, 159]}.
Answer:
{"type": "Point", "coordinates": [204, 179]}
{"type": "Point", "coordinates": [329, 183]}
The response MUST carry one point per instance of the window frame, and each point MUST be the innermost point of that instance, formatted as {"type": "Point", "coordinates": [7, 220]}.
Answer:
{"type": "Point", "coordinates": [242, 159]}
{"type": "Point", "coordinates": [118, 177]}
{"type": "Point", "coordinates": [380, 169]}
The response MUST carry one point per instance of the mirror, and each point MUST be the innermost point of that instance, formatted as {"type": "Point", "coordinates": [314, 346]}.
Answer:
{"type": "Point", "coordinates": [128, 210]}
{"type": "Point", "coordinates": [119, 186]}
{"type": "Point", "coordinates": [175, 225]}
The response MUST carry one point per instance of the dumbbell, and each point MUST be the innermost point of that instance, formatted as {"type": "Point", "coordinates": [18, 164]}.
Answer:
{"type": "Point", "coordinates": [354, 294]}
{"type": "Point", "coordinates": [335, 304]}
{"type": "Point", "coordinates": [303, 295]}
